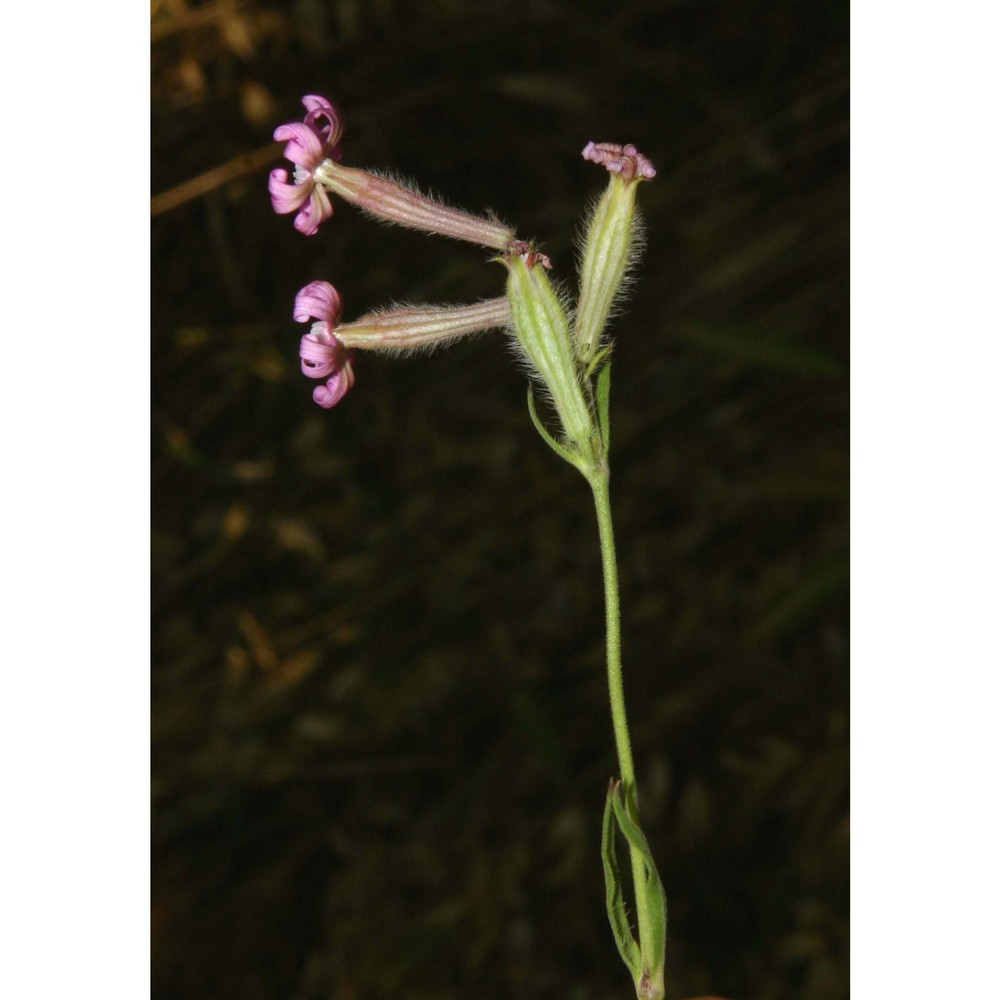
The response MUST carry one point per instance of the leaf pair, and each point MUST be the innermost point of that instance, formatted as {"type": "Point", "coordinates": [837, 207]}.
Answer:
{"type": "Point", "coordinates": [645, 959]}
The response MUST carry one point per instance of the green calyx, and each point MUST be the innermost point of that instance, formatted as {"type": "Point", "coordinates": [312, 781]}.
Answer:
{"type": "Point", "coordinates": [610, 246]}
{"type": "Point", "coordinates": [542, 332]}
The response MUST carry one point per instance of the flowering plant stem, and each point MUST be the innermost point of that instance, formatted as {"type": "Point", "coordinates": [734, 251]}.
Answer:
{"type": "Point", "coordinates": [570, 363]}
{"type": "Point", "coordinates": [599, 484]}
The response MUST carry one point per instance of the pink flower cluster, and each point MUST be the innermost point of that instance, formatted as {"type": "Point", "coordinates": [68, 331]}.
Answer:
{"type": "Point", "coordinates": [313, 147]}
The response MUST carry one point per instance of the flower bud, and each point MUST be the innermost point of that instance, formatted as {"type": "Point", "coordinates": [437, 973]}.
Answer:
{"type": "Point", "coordinates": [613, 240]}
{"type": "Point", "coordinates": [542, 332]}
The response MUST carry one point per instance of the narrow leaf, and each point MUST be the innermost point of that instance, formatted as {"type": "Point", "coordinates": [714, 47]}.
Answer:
{"type": "Point", "coordinates": [604, 406]}
{"type": "Point", "coordinates": [626, 815]}
{"type": "Point", "coordinates": [627, 946]}
{"type": "Point", "coordinates": [597, 359]}
{"type": "Point", "coordinates": [563, 452]}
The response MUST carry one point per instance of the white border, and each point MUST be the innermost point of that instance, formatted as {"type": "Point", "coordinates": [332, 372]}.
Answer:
{"type": "Point", "coordinates": [74, 435]}
{"type": "Point", "coordinates": [74, 429]}
{"type": "Point", "coordinates": [925, 426]}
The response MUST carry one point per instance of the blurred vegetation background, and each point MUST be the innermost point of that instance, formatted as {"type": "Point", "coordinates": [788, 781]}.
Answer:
{"type": "Point", "coordinates": [380, 723]}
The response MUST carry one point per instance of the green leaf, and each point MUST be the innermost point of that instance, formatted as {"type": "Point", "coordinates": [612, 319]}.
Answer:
{"type": "Point", "coordinates": [598, 358]}
{"type": "Point", "coordinates": [562, 451]}
{"type": "Point", "coordinates": [627, 946]}
{"type": "Point", "coordinates": [604, 406]}
{"type": "Point", "coordinates": [626, 815]}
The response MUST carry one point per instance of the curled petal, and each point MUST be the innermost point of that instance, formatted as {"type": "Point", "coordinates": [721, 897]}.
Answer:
{"type": "Point", "coordinates": [287, 197]}
{"type": "Point", "coordinates": [317, 300]}
{"type": "Point", "coordinates": [319, 108]}
{"type": "Point", "coordinates": [626, 161]}
{"type": "Point", "coordinates": [316, 103]}
{"type": "Point", "coordinates": [319, 351]}
{"type": "Point", "coordinates": [315, 211]}
{"type": "Point", "coordinates": [304, 148]}
{"type": "Point", "coordinates": [336, 387]}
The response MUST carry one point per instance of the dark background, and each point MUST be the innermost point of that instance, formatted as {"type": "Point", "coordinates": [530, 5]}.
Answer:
{"type": "Point", "coordinates": [381, 740]}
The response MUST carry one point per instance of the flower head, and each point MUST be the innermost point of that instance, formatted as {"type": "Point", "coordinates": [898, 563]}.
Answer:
{"type": "Point", "coordinates": [322, 354]}
{"type": "Point", "coordinates": [310, 142]}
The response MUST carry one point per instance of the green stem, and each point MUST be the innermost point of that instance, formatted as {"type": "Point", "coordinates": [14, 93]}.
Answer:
{"type": "Point", "coordinates": [602, 502]}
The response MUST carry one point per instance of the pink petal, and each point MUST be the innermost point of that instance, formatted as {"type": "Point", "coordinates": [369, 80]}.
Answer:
{"type": "Point", "coordinates": [286, 197]}
{"type": "Point", "coordinates": [626, 160]}
{"type": "Point", "coordinates": [305, 148]}
{"type": "Point", "coordinates": [317, 210]}
{"type": "Point", "coordinates": [336, 387]}
{"type": "Point", "coordinates": [318, 351]}
{"type": "Point", "coordinates": [315, 102]}
{"type": "Point", "coordinates": [317, 300]}
{"type": "Point", "coordinates": [319, 108]}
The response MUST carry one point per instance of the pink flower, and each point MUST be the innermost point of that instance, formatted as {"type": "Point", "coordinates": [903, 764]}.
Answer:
{"type": "Point", "coordinates": [321, 352]}
{"type": "Point", "coordinates": [310, 142]}
{"type": "Point", "coordinates": [313, 148]}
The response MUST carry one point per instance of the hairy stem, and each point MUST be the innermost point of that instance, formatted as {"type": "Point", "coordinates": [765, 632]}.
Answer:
{"type": "Point", "coordinates": [602, 503]}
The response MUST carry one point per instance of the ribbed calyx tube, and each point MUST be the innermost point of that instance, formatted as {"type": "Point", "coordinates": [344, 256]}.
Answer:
{"type": "Point", "coordinates": [542, 331]}
{"type": "Point", "coordinates": [415, 327]}
{"type": "Point", "coordinates": [607, 252]}
{"type": "Point", "coordinates": [393, 202]}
